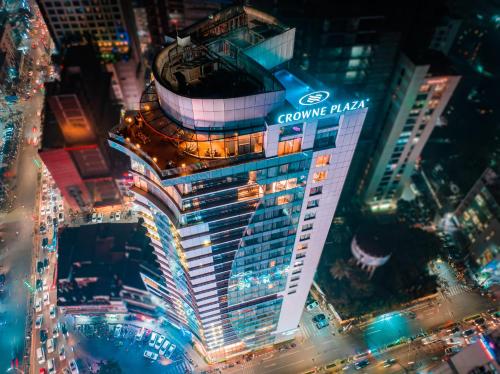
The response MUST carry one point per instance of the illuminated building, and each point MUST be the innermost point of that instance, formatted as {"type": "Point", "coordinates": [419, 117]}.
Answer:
{"type": "Point", "coordinates": [110, 26]}
{"type": "Point", "coordinates": [478, 221]}
{"type": "Point", "coordinates": [418, 94]}
{"type": "Point", "coordinates": [76, 118]}
{"type": "Point", "coordinates": [238, 166]}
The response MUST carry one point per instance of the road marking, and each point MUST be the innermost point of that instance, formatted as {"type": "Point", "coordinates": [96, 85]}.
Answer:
{"type": "Point", "coordinates": [271, 365]}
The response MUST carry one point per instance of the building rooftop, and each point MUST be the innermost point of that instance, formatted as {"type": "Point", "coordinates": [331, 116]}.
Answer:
{"type": "Point", "coordinates": [374, 241]}
{"type": "Point", "coordinates": [99, 260]}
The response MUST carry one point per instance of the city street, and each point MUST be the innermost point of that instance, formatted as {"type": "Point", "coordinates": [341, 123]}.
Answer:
{"type": "Point", "coordinates": [318, 348]}
{"type": "Point", "coordinates": [17, 248]}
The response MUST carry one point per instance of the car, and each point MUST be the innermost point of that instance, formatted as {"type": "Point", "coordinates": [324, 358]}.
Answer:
{"type": "Point", "coordinates": [455, 341]}
{"type": "Point", "coordinates": [55, 331]}
{"type": "Point", "coordinates": [151, 355]}
{"type": "Point", "coordinates": [46, 300]}
{"type": "Point", "coordinates": [73, 367]}
{"type": "Point", "coordinates": [45, 285]}
{"type": "Point", "coordinates": [49, 220]}
{"type": "Point", "coordinates": [62, 354]}
{"type": "Point", "coordinates": [319, 317]}
{"type": "Point", "coordinates": [152, 340]}
{"type": "Point", "coordinates": [480, 322]}
{"type": "Point", "coordinates": [42, 371]}
{"type": "Point", "coordinates": [51, 365]}
{"type": "Point", "coordinates": [452, 350]}
{"type": "Point", "coordinates": [63, 328]}
{"type": "Point", "coordinates": [39, 267]}
{"type": "Point", "coordinates": [52, 311]}
{"type": "Point", "coordinates": [171, 350]}
{"type": "Point", "coordinates": [322, 323]}
{"type": "Point", "coordinates": [159, 341]}
{"type": "Point", "coordinates": [118, 331]}
{"type": "Point", "coordinates": [94, 217]}
{"type": "Point", "coordinates": [140, 334]}
{"type": "Point", "coordinates": [60, 207]}
{"type": "Point", "coordinates": [38, 305]}
{"type": "Point", "coordinates": [39, 287]}
{"type": "Point", "coordinates": [55, 222]}
{"type": "Point", "coordinates": [430, 339]}
{"type": "Point", "coordinates": [468, 332]}
{"type": "Point", "coordinates": [164, 347]}
{"type": "Point", "coordinates": [38, 322]}
{"type": "Point", "coordinates": [50, 345]}
{"type": "Point", "coordinates": [117, 216]}
{"type": "Point", "coordinates": [61, 217]}
{"type": "Point", "coordinates": [45, 242]}
{"type": "Point", "coordinates": [43, 336]}
{"type": "Point", "coordinates": [112, 216]}
{"type": "Point", "coordinates": [40, 355]}
{"type": "Point", "coordinates": [361, 364]}
{"type": "Point", "coordinates": [311, 305]}
{"type": "Point", "coordinates": [100, 216]}
{"type": "Point", "coordinates": [54, 209]}
{"type": "Point", "coordinates": [43, 228]}
{"type": "Point", "coordinates": [389, 362]}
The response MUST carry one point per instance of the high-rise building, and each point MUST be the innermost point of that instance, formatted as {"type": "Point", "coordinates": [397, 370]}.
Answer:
{"type": "Point", "coordinates": [477, 219]}
{"type": "Point", "coordinates": [419, 92]}
{"type": "Point", "coordinates": [238, 166]}
{"type": "Point", "coordinates": [165, 17]}
{"type": "Point", "coordinates": [77, 116]}
{"type": "Point", "coordinates": [110, 26]}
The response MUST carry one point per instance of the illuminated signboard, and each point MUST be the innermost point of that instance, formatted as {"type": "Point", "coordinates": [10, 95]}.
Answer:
{"type": "Point", "coordinates": [315, 98]}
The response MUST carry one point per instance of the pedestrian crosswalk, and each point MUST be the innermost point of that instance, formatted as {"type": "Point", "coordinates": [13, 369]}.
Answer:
{"type": "Point", "coordinates": [456, 289]}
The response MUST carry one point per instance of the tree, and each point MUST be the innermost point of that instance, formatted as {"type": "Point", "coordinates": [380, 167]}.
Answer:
{"type": "Point", "coordinates": [339, 270]}
{"type": "Point", "coordinates": [109, 367]}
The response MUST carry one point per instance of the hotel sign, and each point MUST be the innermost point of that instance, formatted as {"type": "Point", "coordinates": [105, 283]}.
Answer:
{"type": "Point", "coordinates": [316, 98]}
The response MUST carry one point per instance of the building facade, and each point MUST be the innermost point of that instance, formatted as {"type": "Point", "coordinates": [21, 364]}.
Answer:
{"type": "Point", "coordinates": [238, 167]}
{"type": "Point", "coordinates": [478, 221]}
{"type": "Point", "coordinates": [419, 94]}
{"type": "Point", "coordinates": [110, 26]}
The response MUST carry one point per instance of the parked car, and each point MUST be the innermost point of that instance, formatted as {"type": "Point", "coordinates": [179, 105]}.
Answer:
{"type": "Point", "coordinates": [151, 355]}
{"type": "Point", "coordinates": [38, 322]}
{"type": "Point", "coordinates": [38, 305]}
{"type": "Point", "coordinates": [311, 305]}
{"type": "Point", "coordinates": [361, 364]}
{"type": "Point", "coordinates": [152, 340]}
{"type": "Point", "coordinates": [171, 350]}
{"type": "Point", "coordinates": [164, 347]}
{"type": "Point", "coordinates": [118, 331]}
{"type": "Point", "coordinates": [159, 341]}
{"type": "Point", "coordinates": [40, 355]}
{"type": "Point", "coordinates": [43, 336]}
{"type": "Point", "coordinates": [73, 367]}
{"type": "Point", "coordinates": [52, 311]}
{"type": "Point", "coordinates": [62, 354]}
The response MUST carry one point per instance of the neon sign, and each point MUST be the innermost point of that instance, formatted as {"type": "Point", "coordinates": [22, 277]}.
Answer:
{"type": "Point", "coordinates": [314, 98]}
{"type": "Point", "coordinates": [322, 111]}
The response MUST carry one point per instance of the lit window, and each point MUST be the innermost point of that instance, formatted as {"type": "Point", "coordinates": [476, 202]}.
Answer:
{"type": "Point", "coordinates": [289, 146]}
{"type": "Point", "coordinates": [323, 160]}
{"type": "Point", "coordinates": [316, 191]}
{"type": "Point", "coordinates": [320, 176]}
{"type": "Point", "coordinates": [312, 204]}
{"type": "Point", "coordinates": [285, 199]}
{"type": "Point", "coordinates": [302, 247]}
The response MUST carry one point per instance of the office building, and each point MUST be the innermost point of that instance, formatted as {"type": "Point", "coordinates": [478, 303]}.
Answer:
{"type": "Point", "coordinates": [78, 113]}
{"type": "Point", "coordinates": [477, 219]}
{"type": "Point", "coordinates": [238, 166]}
{"type": "Point", "coordinates": [110, 26]}
{"type": "Point", "coordinates": [99, 271]}
{"type": "Point", "coordinates": [166, 17]}
{"type": "Point", "coordinates": [418, 94]}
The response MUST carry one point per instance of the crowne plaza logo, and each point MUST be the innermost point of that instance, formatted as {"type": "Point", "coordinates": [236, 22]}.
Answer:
{"type": "Point", "coordinates": [314, 98]}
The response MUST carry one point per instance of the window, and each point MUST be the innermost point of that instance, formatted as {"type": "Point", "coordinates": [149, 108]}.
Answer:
{"type": "Point", "coordinates": [300, 255]}
{"type": "Point", "coordinates": [302, 247]}
{"type": "Point", "coordinates": [289, 146]}
{"type": "Point", "coordinates": [316, 191]}
{"type": "Point", "coordinates": [323, 160]}
{"type": "Point", "coordinates": [292, 292]}
{"type": "Point", "coordinates": [305, 237]}
{"type": "Point", "coordinates": [320, 176]}
{"type": "Point", "coordinates": [307, 226]}
{"type": "Point", "coordinates": [312, 204]}
{"type": "Point", "coordinates": [310, 215]}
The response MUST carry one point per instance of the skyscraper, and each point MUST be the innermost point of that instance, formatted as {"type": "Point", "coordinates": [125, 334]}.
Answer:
{"type": "Point", "coordinates": [421, 88]}
{"type": "Point", "coordinates": [238, 166]}
{"type": "Point", "coordinates": [110, 26]}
